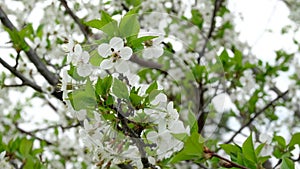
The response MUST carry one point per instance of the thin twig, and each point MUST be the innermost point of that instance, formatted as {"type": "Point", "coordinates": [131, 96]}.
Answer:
{"type": "Point", "coordinates": [256, 115]}
{"type": "Point", "coordinates": [55, 126]}
{"type": "Point", "coordinates": [233, 164]}
{"type": "Point", "coordinates": [32, 55]}
{"type": "Point", "coordinates": [25, 81]}
{"type": "Point", "coordinates": [84, 29]}
{"type": "Point", "coordinates": [217, 6]}
{"type": "Point", "coordinates": [32, 135]}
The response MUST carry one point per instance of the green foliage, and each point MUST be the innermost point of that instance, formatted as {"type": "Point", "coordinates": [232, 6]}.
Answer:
{"type": "Point", "coordinates": [197, 18]}
{"type": "Point", "coordinates": [247, 155]}
{"type": "Point", "coordinates": [133, 2]}
{"type": "Point", "coordinates": [137, 43]}
{"type": "Point", "coordinates": [193, 149]}
{"type": "Point", "coordinates": [17, 37]}
{"type": "Point", "coordinates": [73, 73]}
{"type": "Point", "coordinates": [103, 85]}
{"type": "Point", "coordinates": [83, 98]}
{"type": "Point", "coordinates": [22, 148]}
{"type": "Point", "coordinates": [119, 89]}
{"type": "Point", "coordinates": [105, 24]}
{"type": "Point", "coordinates": [129, 25]}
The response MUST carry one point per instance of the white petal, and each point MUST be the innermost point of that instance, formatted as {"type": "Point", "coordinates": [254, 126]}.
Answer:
{"type": "Point", "coordinates": [159, 98]}
{"type": "Point", "coordinates": [177, 127]}
{"type": "Point", "coordinates": [147, 53]}
{"type": "Point", "coordinates": [126, 53]}
{"type": "Point", "coordinates": [85, 57]}
{"type": "Point", "coordinates": [170, 107]}
{"type": "Point", "coordinates": [106, 64]}
{"type": "Point", "coordinates": [158, 40]}
{"type": "Point", "coordinates": [121, 66]}
{"type": "Point", "coordinates": [104, 50]}
{"type": "Point", "coordinates": [157, 51]}
{"type": "Point", "coordinates": [77, 50]}
{"type": "Point", "coordinates": [81, 115]}
{"type": "Point", "coordinates": [152, 136]}
{"type": "Point", "coordinates": [86, 125]}
{"type": "Point", "coordinates": [84, 70]}
{"type": "Point", "coordinates": [153, 52]}
{"type": "Point", "coordinates": [70, 46]}
{"type": "Point", "coordinates": [116, 43]}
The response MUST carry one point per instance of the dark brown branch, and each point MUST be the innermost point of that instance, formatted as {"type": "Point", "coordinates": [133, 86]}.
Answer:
{"type": "Point", "coordinates": [256, 71]}
{"type": "Point", "coordinates": [133, 135]}
{"type": "Point", "coordinates": [84, 29]}
{"type": "Point", "coordinates": [256, 115]}
{"type": "Point", "coordinates": [55, 126]}
{"type": "Point", "coordinates": [25, 81]}
{"type": "Point", "coordinates": [144, 63]}
{"type": "Point", "coordinates": [32, 55]}
{"type": "Point", "coordinates": [224, 161]}
{"type": "Point", "coordinates": [217, 6]}
{"type": "Point", "coordinates": [32, 135]}
{"type": "Point", "coordinates": [232, 164]}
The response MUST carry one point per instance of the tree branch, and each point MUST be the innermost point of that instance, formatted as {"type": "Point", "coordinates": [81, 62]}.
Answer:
{"type": "Point", "coordinates": [217, 6]}
{"type": "Point", "coordinates": [25, 81]}
{"type": "Point", "coordinates": [148, 64]}
{"type": "Point", "coordinates": [256, 115]}
{"type": "Point", "coordinates": [54, 126]}
{"type": "Point", "coordinates": [84, 29]}
{"type": "Point", "coordinates": [224, 161]}
{"type": "Point", "coordinates": [32, 55]}
{"type": "Point", "coordinates": [32, 135]}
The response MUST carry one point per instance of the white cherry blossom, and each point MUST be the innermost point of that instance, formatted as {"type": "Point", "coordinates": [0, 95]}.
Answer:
{"type": "Point", "coordinates": [115, 55]}
{"type": "Point", "coordinates": [153, 48]}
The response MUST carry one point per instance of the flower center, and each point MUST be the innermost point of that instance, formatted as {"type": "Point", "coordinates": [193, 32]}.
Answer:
{"type": "Point", "coordinates": [115, 55]}
{"type": "Point", "coordinates": [148, 43]}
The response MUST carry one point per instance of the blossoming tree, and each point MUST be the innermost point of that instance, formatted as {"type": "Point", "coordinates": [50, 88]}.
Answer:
{"type": "Point", "coordinates": [141, 84]}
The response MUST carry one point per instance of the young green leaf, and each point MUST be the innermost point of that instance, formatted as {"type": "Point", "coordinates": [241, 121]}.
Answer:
{"type": "Point", "coordinates": [287, 164]}
{"type": "Point", "coordinates": [119, 89]}
{"type": "Point", "coordinates": [193, 149]}
{"type": "Point", "coordinates": [129, 26]}
{"type": "Point", "coordinates": [248, 149]}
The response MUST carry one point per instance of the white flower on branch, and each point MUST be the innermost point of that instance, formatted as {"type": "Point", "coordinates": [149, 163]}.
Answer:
{"type": "Point", "coordinates": [115, 55]}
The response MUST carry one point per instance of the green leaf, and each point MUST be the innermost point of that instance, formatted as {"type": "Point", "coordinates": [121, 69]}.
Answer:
{"type": "Point", "coordinates": [95, 58]}
{"type": "Point", "coordinates": [39, 31]}
{"type": "Point", "coordinates": [73, 73]}
{"type": "Point", "coordinates": [129, 26]}
{"type": "Point", "coordinates": [152, 87]}
{"type": "Point", "coordinates": [248, 149]}
{"type": "Point", "coordinates": [106, 24]}
{"type": "Point", "coordinates": [193, 149]}
{"type": "Point", "coordinates": [231, 149]}
{"type": "Point", "coordinates": [197, 18]}
{"type": "Point", "coordinates": [103, 85]}
{"type": "Point", "coordinates": [259, 148]}
{"type": "Point", "coordinates": [135, 99]}
{"type": "Point", "coordinates": [133, 2]}
{"type": "Point", "coordinates": [83, 98]}
{"type": "Point", "coordinates": [140, 40]}
{"type": "Point", "coordinates": [25, 146]}
{"type": "Point", "coordinates": [27, 31]}
{"type": "Point", "coordinates": [280, 140]}
{"type": "Point", "coordinates": [295, 140]}
{"type": "Point", "coordinates": [192, 122]}
{"type": "Point", "coordinates": [287, 164]}
{"type": "Point", "coordinates": [153, 94]}
{"type": "Point", "coordinates": [95, 23]}
{"type": "Point", "coordinates": [37, 151]}
{"type": "Point", "coordinates": [119, 89]}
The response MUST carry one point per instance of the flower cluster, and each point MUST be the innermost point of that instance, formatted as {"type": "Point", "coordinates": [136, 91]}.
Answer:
{"type": "Point", "coordinates": [154, 121]}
